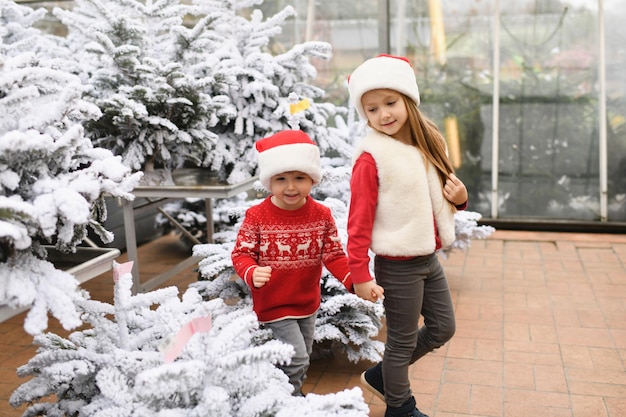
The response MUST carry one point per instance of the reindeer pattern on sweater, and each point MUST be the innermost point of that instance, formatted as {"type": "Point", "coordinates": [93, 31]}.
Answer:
{"type": "Point", "coordinates": [296, 244]}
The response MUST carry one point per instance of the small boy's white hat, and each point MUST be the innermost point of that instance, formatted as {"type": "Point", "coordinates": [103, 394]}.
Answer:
{"type": "Point", "coordinates": [289, 150]}
{"type": "Point", "coordinates": [383, 71]}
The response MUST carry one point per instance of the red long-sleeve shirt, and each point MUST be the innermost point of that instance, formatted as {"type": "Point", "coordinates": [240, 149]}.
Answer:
{"type": "Point", "coordinates": [296, 244]}
{"type": "Point", "coordinates": [364, 186]}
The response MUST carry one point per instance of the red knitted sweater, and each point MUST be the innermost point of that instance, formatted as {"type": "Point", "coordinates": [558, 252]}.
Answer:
{"type": "Point", "coordinates": [296, 244]}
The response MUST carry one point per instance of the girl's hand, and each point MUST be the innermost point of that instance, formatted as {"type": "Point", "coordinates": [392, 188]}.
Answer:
{"type": "Point", "coordinates": [369, 291]}
{"type": "Point", "coordinates": [454, 190]}
{"type": "Point", "coordinates": [261, 276]}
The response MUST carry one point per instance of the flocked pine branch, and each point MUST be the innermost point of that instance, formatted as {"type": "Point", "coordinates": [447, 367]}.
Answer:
{"type": "Point", "coordinates": [27, 280]}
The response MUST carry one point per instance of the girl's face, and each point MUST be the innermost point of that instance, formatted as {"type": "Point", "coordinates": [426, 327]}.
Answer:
{"type": "Point", "coordinates": [290, 189]}
{"type": "Point", "coordinates": [387, 113]}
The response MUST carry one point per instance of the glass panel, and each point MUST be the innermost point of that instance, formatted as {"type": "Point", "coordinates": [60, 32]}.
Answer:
{"type": "Point", "coordinates": [548, 138]}
{"type": "Point", "coordinates": [615, 16]}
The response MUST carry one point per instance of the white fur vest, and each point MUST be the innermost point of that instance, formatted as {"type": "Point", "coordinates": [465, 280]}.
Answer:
{"type": "Point", "coordinates": [410, 199]}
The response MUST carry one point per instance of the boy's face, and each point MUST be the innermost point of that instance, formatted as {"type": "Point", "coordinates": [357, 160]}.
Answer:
{"type": "Point", "coordinates": [290, 189]}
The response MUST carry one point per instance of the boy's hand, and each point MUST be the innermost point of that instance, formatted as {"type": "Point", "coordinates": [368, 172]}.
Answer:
{"type": "Point", "coordinates": [454, 190]}
{"type": "Point", "coordinates": [261, 276]}
{"type": "Point", "coordinates": [369, 291]}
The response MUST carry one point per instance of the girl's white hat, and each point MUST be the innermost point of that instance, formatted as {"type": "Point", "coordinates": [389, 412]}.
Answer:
{"type": "Point", "coordinates": [289, 150]}
{"type": "Point", "coordinates": [383, 71]}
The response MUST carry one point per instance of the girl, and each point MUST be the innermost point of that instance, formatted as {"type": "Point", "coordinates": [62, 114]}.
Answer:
{"type": "Point", "coordinates": [404, 195]}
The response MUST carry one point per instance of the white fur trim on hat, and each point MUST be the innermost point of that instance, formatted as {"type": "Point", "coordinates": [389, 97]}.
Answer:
{"type": "Point", "coordinates": [383, 71]}
{"type": "Point", "coordinates": [289, 150]}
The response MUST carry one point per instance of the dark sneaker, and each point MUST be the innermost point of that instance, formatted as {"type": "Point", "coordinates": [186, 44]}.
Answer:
{"type": "Point", "coordinates": [373, 380]}
{"type": "Point", "coordinates": [408, 409]}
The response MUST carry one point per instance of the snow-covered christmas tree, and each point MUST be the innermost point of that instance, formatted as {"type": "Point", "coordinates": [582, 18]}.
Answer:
{"type": "Point", "coordinates": [155, 354]}
{"type": "Point", "coordinates": [52, 179]}
{"type": "Point", "coordinates": [272, 92]}
{"type": "Point", "coordinates": [155, 71]}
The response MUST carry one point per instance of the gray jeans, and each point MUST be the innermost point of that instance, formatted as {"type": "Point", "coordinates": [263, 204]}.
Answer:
{"type": "Point", "coordinates": [299, 334]}
{"type": "Point", "coordinates": [412, 287]}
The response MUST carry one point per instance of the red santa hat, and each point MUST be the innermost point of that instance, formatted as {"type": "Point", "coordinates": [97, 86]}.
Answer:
{"type": "Point", "coordinates": [384, 71]}
{"type": "Point", "coordinates": [289, 150]}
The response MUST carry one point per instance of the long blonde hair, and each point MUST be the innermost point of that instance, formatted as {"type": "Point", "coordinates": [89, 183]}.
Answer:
{"type": "Point", "coordinates": [426, 136]}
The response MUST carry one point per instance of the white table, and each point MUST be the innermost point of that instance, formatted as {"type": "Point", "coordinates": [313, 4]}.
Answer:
{"type": "Point", "coordinates": [186, 183]}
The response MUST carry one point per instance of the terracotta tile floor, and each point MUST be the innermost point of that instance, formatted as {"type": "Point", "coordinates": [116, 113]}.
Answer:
{"type": "Point", "coordinates": [541, 330]}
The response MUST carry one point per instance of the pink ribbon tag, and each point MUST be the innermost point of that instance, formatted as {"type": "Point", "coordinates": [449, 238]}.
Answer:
{"type": "Point", "coordinates": [178, 343]}
{"type": "Point", "coordinates": [119, 270]}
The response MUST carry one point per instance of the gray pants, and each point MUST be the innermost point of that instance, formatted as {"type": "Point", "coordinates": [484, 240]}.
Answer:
{"type": "Point", "coordinates": [299, 334]}
{"type": "Point", "coordinates": [413, 287]}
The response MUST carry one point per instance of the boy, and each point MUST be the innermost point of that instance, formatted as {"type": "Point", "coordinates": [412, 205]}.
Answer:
{"type": "Point", "coordinates": [283, 243]}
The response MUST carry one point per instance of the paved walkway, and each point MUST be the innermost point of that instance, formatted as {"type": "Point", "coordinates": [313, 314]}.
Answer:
{"type": "Point", "coordinates": [541, 331]}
